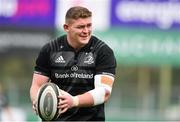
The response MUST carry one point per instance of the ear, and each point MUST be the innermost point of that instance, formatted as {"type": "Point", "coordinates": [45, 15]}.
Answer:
{"type": "Point", "coordinates": [66, 27]}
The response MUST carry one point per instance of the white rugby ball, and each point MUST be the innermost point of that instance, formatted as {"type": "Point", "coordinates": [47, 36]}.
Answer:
{"type": "Point", "coordinates": [47, 101]}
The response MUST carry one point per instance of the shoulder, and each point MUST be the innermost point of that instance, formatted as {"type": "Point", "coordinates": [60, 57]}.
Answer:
{"type": "Point", "coordinates": [54, 44]}
{"type": "Point", "coordinates": [100, 45]}
{"type": "Point", "coordinates": [45, 48]}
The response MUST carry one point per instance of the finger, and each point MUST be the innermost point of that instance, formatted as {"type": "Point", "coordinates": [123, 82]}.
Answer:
{"type": "Point", "coordinates": [33, 107]}
{"type": "Point", "coordinates": [64, 110]}
{"type": "Point", "coordinates": [62, 97]}
{"type": "Point", "coordinates": [63, 102]}
{"type": "Point", "coordinates": [62, 92]}
{"type": "Point", "coordinates": [35, 110]}
{"type": "Point", "coordinates": [63, 106]}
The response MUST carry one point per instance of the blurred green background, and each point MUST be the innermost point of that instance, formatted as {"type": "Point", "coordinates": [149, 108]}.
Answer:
{"type": "Point", "coordinates": [147, 50]}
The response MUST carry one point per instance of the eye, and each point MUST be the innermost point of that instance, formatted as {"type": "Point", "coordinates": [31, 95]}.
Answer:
{"type": "Point", "coordinates": [84, 26]}
{"type": "Point", "coordinates": [81, 27]}
{"type": "Point", "coordinates": [89, 25]}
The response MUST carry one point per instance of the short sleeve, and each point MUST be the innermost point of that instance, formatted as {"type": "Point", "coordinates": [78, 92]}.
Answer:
{"type": "Point", "coordinates": [42, 62]}
{"type": "Point", "coordinates": [105, 62]}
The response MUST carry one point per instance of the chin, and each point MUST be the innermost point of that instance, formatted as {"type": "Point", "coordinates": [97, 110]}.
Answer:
{"type": "Point", "coordinates": [85, 41]}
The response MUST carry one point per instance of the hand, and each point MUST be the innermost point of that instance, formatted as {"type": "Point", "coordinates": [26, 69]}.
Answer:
{"type": "Point", "coordinates": [66, 101]}
{"type": "Point", "coordinates": [34, 107]}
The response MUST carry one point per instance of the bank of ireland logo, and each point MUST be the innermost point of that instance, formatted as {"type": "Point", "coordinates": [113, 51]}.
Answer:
{"type": "Point", "coordinates": [74, 68]}
{"type": "Point", "coordinates": [89, 59]}
{"type": "Point", "coordinates": [60, 59]}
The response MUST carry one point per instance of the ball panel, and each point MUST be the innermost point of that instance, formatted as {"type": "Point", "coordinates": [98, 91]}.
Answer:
{"type": "Point", "coordinates": [56, 90]}
{"type": "Point", "coordinates": [48, 102]}
{"type": "Point", "coordinates": [48, 105]}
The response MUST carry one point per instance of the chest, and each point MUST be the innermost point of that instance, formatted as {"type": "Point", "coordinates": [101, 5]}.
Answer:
{"type": "Point", "coordinates": [70, 58]}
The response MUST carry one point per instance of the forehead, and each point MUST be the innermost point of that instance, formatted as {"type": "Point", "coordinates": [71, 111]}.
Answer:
{"type": "Point", "coordinates": [81, 21]}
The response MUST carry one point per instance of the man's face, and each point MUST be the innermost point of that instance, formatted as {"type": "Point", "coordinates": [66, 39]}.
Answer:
{"type": "Point", "coordinates": [79, 31]}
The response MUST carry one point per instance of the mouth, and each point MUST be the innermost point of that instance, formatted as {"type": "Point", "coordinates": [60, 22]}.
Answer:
{"type": "Point", "coordinates": [84, 37]}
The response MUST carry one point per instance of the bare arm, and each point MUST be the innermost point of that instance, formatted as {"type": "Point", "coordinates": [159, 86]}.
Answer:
{"type": "Point", "coordinates": [37, 82]}
{"type": "Point", "coordinates": [99, 95]}
{"type": "Point", "coordinates": [87, 99]}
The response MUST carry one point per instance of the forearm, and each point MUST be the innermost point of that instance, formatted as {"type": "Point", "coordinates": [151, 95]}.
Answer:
{"type": "Point", "coordinates": [37, 82]}
{"type": "Point", "coordinates": [33, 92]}
{"type": "Point", "coordinates": [85, 100]}
{"type": "Point", "coordinates": [99, 95]}
{"type": "Point", "coordinates": [92, 98]}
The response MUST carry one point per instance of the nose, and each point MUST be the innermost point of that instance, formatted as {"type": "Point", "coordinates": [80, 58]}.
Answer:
{"type": "Point", "coordinates": [85, 30]}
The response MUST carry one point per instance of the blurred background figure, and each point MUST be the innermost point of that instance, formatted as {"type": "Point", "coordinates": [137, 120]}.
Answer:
{"type": "Point", "coordinates": [3, 101]}
{"type": "Point", "coordinates": [8, 113]}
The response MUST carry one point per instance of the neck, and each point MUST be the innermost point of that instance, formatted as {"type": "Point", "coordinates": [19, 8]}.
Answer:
{"type": "Point", "coordinates": [76, 46]}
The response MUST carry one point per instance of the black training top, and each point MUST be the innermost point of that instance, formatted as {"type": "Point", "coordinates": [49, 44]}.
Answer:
{"type": "Point", "coordinates": [74, 71]}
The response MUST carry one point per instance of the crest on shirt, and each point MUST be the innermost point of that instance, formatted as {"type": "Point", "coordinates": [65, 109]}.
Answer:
{"type": "Point", "coordinates": [89, 59]}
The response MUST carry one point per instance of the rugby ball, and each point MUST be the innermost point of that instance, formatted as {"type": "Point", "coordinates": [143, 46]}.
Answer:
{"type": "Point", "coordinates": [47, 101]}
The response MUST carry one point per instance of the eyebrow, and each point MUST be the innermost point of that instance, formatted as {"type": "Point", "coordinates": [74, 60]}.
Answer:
{"type": "Point", "coordinates": [83, 25]}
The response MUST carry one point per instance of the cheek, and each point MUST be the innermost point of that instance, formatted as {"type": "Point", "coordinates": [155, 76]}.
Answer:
{"type": "Point", "coordinates": [75, 32]}
{"type": "Point", "coordinates": [74, 35]}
